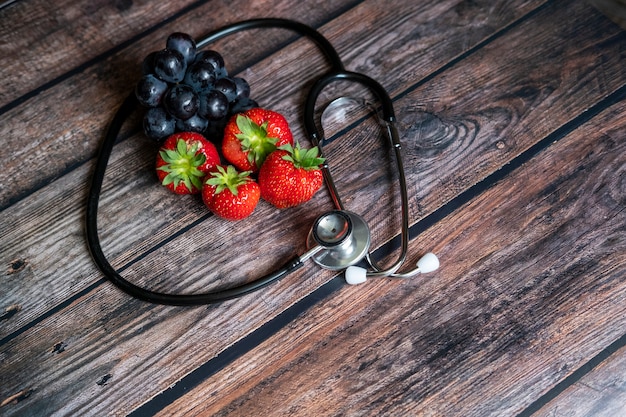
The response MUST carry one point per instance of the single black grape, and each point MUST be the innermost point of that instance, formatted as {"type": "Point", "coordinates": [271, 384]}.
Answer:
{"type": "Point", "coordinates": [214, 58]}
{"type": "Point", "coordinates": [213, 105]}
{"type": "Point", "coordinates": [158, 124]}
{"type": "Point", "coordinates": [200, 76]}
{"type": "Point", "coordinates": [227, 86]}
{"type": "Point", "coordinates": [147, 65]}
{"type": "Point", "coordinates": [184, 44]}
{"type": "Point", "coordinates": [181, 101]}
{"type": "Point", "coordinates": [242, 104]}
{"type": "Point", "coordinates": [150, 90]}
{"type": "Point", "coordinates": [169, 65]}
{"type": "Point", "coordinates": [243, 88]}
{"type": "Point", "coordinates": [195, 123]}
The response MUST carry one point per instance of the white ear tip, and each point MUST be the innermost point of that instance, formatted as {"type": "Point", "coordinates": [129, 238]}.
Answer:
{"type": "Point", "coordinates": [428, 263]}
{"type": "Point", "coordinates": [356, 275]}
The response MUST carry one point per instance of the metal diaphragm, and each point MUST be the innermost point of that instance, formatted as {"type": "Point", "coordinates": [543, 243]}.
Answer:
{"type": "Point", "coordinates": [344, 236]}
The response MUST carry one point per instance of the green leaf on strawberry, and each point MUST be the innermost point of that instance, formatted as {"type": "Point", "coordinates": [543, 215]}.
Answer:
{"type": "Point", "coordinates": [307, 159]}
{"type": "Point", "coordinates": [255, 140]}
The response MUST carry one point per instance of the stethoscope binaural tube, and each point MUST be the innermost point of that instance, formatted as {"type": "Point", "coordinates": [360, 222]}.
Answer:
{"type": "Point", "coordinates": [387, 118]}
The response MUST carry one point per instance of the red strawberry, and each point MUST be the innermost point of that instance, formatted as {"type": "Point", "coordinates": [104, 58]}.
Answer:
{"type": "Point", "coordinates": [250, 136]}
{"type": "Point", "coordinates": [183, 161]}
{"type": "Point", "coordinates": [230, 194]}
{"type": "Point", "coordinates": [290, 176]}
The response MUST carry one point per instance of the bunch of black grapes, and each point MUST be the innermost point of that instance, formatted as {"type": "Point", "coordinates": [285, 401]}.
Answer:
{"type": "Point", "coordinates": [186, 90]}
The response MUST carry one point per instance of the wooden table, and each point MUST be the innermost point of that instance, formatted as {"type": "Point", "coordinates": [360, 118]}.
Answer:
{"type": "Point", "coordinates": [512, 116]}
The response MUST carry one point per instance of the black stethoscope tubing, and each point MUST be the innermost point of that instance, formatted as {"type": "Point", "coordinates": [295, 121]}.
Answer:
{"type": "Point", "coordinates": [336, 73]}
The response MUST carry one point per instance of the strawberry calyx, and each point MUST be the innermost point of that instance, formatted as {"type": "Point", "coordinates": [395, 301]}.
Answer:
{"type": "Point", "coordinates": [255, 139]}
{"type": "Point", "coordinates": [228, 178]}
{"type": "Point", "coordinates": [181, 165]}
{"type": "Point", "coordinates": [307, 159]}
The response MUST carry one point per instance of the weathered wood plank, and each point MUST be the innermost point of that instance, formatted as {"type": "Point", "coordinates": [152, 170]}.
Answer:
{"type": "Point", "coordinates": [43, 40]}
{"type": "Point", "coordinates": [70, 337]}
{"type": "Point", "coordinates": [141, 328]}
{"type": "Point", "coordinates": [513, 310]}
{"type": "Point", "coordinates": [601, 393]}
{"type": "Point", "coordinates": [614, 9]}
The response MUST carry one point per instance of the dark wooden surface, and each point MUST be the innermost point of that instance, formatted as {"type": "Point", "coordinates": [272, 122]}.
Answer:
{"type": "Point", "coordinates": [512, 116]}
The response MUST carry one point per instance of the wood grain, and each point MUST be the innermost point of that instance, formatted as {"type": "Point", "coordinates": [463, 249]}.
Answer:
{"type": "Point", "coordinates": [510, 313]}
{"type": "Point", "coordinates": [79, 341]}
{"type": "Point", "coordinates": [476, 85]}
{"type": "Point", "coordinates": [45, 40]}
{"type": "Point", "coordinates": [614, 9]}
{"type": "Point", "coordinates": [600, 393]}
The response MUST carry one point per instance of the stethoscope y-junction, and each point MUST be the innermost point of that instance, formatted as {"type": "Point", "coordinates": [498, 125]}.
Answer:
{"type": "Point", "coordinates": [338, 240]}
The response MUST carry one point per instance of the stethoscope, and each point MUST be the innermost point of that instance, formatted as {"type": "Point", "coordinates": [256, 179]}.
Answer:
{"type": "Point", "coordinates": [338, 239]}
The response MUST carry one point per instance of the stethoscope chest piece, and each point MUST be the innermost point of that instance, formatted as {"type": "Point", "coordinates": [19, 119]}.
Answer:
{"type": "Point", "coordinates": [344, 237]}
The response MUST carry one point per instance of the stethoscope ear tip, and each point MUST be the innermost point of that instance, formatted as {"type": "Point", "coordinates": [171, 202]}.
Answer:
{"type": "Point", "coordinates": [355, 275]}
{"type": "Point", "coordinates": [428, 263]}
